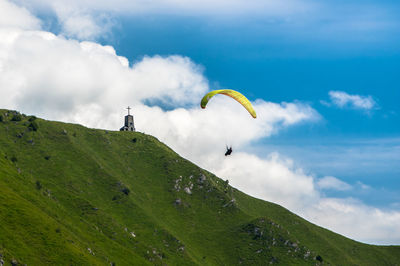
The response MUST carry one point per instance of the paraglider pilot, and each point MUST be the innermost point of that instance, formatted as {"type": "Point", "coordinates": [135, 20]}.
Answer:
{"type": "Point", "coordinates": [228, 151]}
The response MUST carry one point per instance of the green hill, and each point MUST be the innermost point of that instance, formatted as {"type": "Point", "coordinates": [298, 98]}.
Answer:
{"type": "Point", "coordinates": [70, 195]}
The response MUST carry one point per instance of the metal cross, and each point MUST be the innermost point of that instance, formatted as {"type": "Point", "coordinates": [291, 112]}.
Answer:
{"type": "Point", "coordinates": [128, 109]}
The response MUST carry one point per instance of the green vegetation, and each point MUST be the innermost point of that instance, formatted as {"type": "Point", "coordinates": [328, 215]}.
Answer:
{"type": "Point", "coordinates": [16, 117]}
{"type": "Point", "coordinates": [33, 126]}
{"type": "Point", "coordinates": [70, 195]}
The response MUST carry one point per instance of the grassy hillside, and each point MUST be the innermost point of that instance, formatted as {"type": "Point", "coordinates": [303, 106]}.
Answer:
{"type": "Point", "coordinates": [70, 195]}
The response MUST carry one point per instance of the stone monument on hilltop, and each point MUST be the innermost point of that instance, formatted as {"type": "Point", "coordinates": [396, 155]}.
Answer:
{"type": "Point", "coordinates": [129, 124]}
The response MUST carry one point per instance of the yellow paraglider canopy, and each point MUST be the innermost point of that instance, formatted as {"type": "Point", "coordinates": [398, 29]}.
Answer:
{"type": "Point", "coordinates": [231, 93]}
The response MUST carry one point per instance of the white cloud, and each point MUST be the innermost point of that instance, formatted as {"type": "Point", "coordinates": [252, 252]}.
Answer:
{"type": "Point", "coordinates": [342, 99]}
{"type": "Point", "coordinates": [356, 220]}
{"type": "Point", "coordinates": [81, 27]}
{"type": "Point", "coordinates": [330, 182]}
{"type": "Point", "coordinates": [65, 76]}
{"type": "Point", "coordinates": [363, 186]}
{"type": "Point", "coordinates": [82, 21]}
{"type": "Point", "coordinates": [13, 16]}
{"type": "Point", "coordinates": [84, 82]}
{"type": "Point", "coordinates": [273, 178]}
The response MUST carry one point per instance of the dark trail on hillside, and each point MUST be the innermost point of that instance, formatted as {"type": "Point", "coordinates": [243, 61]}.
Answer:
{"type": "Point", "coordinates": [70, 195]}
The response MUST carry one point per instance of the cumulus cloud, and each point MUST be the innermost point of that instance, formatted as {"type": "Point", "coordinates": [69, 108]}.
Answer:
{"type": "Point", "coordinates": [16, 17]}
{"type": "Point", "coordinates": [78, 19]}
{"type": "Point", "coordinates": [342, 99]}
{"type": "Point", "coordinates": [355, 219]}
{"type": "Point", "coordinates": [330, 182]}
{"type": "Point", "coordinates": [81, 26]}
{"type": "Point", "coordinates": [63, 79]}
{"type": "Point", "coordinates": [273, 178]}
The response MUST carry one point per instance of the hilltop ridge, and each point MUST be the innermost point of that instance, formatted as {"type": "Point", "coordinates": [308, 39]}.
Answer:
{"type": "Point", "coordinates": [74, 195]}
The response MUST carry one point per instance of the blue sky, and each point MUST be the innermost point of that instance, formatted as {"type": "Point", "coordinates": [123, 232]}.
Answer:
{"type": "Point", "coordinates": [323, 76]}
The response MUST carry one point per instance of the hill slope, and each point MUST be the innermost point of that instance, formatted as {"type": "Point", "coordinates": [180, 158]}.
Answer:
{"type": "Point", "coordinates": [70, 195]}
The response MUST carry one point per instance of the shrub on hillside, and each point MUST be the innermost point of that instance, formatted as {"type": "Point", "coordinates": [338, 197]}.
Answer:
{"type": "Point", "coordinates": [32, 118]}
{"type": "Point", "coordinates": [16, 117]}
{"type": "Point", "coordinates": [116, 197]}
{"type": "Point", "coordinates": [1, 118]}
{"type": "Point", "coordinates": [38, 185]}
{"type": "Point", "coordinates": [33, 126]}
{"type": "Point", "coordinates": [125, 191]}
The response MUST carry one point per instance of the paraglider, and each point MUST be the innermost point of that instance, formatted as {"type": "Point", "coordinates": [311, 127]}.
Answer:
{"type": "Point", "coordinates": [233, 94]}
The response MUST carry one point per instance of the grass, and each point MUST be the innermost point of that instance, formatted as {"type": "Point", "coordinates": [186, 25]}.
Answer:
{"type": "Point", "coordinates": [70, 195]}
